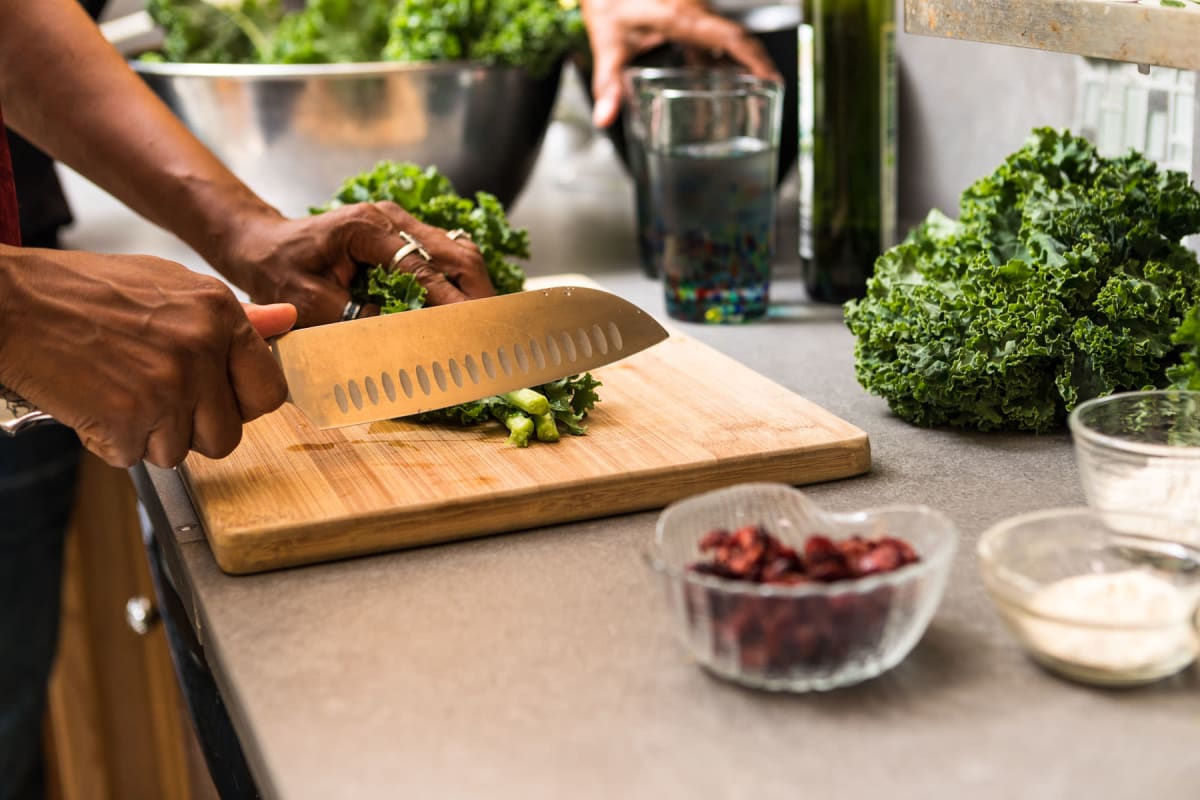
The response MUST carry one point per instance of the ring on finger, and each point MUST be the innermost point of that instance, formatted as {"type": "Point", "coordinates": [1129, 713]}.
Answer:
{"type": "Point", "coordinates": [458, 233]}
{"type": "Point", "coordinates": [352, 310]}
{"type": "Point", "coordinates": [411, 245]}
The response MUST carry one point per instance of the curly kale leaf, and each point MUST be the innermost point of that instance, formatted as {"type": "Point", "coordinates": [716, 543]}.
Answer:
{"type": "Point", "coordinates": [430, 30]}
{"type": "Point", "coordinates": [570, 400]}
{"type": "Point", "coordinates": [1063, 279]}
{"type": "Point", "coordinates": [333, 31]}
{"type": "Point", "coordinates": [532, 34]}
{"type": "Point", "coordinates": [430, 197]}
{"type": "Point", "coordinates": [392, 291]}
{"type": "Point", "coordinates": [1186, 374]}
{"type": "Point", "coordinates": [229, 33]}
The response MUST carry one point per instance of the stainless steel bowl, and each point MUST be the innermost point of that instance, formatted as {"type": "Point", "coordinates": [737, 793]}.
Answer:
{"type": "Point", "coordinates": [294, 133]}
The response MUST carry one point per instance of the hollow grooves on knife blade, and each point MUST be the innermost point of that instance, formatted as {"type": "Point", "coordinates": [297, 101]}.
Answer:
{"type": "Point", "coordinates": [563, 346]}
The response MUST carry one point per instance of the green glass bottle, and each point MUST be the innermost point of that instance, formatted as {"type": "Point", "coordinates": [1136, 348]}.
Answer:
{"type": "Point", "coordinates": [847, 143]}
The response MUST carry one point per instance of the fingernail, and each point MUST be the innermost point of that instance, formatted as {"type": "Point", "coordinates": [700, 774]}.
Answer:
{"type": "Point", "coordinates": [605, 110]}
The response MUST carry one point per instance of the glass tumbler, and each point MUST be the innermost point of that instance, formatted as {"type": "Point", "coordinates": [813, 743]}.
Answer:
{"type": "Point", "coordinates": [711, 160]}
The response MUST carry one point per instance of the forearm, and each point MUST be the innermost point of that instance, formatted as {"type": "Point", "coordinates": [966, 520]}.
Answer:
{"type": "Point", "coordinates": [65, 88]}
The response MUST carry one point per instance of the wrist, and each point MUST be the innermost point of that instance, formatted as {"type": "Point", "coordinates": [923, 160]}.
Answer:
{"type": "Point", "coordinates": [228, 229]}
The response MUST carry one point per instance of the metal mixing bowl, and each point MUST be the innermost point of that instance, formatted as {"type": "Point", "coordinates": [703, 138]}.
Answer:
{"type": "Point", "coordinates": [294, 133]}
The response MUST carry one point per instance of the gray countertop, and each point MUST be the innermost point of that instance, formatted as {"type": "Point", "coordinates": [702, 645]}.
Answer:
{"type": "Point", "coordinates": [539, 664]}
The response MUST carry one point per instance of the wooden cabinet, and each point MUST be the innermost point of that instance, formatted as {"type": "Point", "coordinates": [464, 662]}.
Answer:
{"type": "Point", "coordinates": [116, 725]}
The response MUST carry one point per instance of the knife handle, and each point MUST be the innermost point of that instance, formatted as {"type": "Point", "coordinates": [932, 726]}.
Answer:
{"type": "Point", "coordinates": [18, 414]}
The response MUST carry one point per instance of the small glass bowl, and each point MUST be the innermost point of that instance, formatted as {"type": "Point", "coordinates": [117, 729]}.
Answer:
{"type": "Point", "coordinates": [812, 636]}
{"type": "Point", "coordinates": [1103, 597]}
{"type": "Point", "coordinates": [1140, 451]}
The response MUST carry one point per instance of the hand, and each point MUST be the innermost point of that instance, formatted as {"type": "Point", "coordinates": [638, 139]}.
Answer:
{"type": "Point", "coordinates": [619, 30]}
{"type": "Point", "coordinates": [141, 356]}
{"type": "Point", "coordinates": [309, 262]}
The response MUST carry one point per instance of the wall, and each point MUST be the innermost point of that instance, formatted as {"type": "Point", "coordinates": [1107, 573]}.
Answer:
{"type": "Point", "coordinates": [964, 106]}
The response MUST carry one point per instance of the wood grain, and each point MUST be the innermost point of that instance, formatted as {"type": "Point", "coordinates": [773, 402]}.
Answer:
{"type": "Point", "coordinates": [116, 724]}
{"type": "Point", "coordinates": [1134, 32]}
{"type": "Point", "coordinates": [674, 420]}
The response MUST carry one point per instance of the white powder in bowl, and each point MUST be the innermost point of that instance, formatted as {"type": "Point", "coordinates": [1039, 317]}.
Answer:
{"type": "Point", "coordinates": [1132, 597]}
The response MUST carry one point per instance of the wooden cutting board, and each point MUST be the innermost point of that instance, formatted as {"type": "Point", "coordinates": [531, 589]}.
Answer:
{"type": "Point", "coordinates": [673, 420]}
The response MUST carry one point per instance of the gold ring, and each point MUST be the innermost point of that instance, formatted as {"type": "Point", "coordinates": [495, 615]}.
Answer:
{"type": "Point", "coordinates": [457, 233]}
{"type": "Point", "coordinates": [410, 245]}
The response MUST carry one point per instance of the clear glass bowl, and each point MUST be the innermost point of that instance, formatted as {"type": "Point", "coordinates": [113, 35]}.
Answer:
{"type": "Point", "coordinates": [1140, 451]}
{"type": "Point", "coordinates": [806, 637]}
{"type": "Point", "coordinates": [1092, 601]}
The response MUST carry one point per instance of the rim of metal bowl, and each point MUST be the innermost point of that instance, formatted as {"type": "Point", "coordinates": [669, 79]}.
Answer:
{"type": "Point", "coordinates": [1091, 436]}
{"type": "Point", "coordinates": [362, 69]}
{"type": "Point", "coordinates": [933, 561]}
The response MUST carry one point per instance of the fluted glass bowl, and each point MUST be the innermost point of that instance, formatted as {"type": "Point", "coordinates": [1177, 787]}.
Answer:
{"type": "Point", "coordinates": [1103, 597]}
{"type": "Point", "coordinates": [814, 636]}
{"type": "Point", "coordinates": [1140, 451]}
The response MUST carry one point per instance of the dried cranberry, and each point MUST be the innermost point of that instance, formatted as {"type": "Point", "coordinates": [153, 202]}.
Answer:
{"type": "Point", "coordinates": [775, 634]}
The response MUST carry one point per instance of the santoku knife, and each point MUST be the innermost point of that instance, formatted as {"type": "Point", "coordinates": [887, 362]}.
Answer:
{"type": "Point", "coordinates": [399, 364]}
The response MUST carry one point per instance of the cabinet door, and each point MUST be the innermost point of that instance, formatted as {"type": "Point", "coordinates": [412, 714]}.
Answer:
{"type": "Point", "coordinates": [116, 725]}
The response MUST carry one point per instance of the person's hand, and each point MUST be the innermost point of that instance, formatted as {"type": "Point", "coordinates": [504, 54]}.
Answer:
{"type": "Point", "coordinates": [142, 357]}
{"type": "Point", "coordinates": [309, 262]}
{"type": "Point", "coordinates": [618, 30]}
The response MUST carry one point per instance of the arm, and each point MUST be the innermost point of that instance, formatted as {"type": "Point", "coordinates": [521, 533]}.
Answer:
{"type": "Point", "coordinates": [618, 30]}
{"type": "Point", "coordinates": [65, 88]}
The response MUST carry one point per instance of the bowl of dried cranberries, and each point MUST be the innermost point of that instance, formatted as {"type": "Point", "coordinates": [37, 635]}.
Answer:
{"type": "Point", "coordinates": [769, 590]}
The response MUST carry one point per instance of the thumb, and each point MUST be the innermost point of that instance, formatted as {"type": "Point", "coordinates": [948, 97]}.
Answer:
{"type": "Point", "coordinates": [272, 319]}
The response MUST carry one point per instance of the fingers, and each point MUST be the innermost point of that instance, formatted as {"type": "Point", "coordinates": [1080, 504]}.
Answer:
{"type": "Point", "coordinates": [455, 270]}
{"type": "Point", "coordinates": [606, 89]}
{"type": "Point", "coordinates": [257, 382]}
{"type": "Point", "coordinates": [610, 56]}
{"type": "Point", "coordinates": [216, 422]}
{"type": "Point", "coordinates": [440, 290]}
{"type": "Point", "coordinates": [461, 262]}
{"type": "Point", "coordinates": [271, 319]}
{"type": "Point", "coordinates": [169, 441]}
{"type": "Point", "coordinates": [718, 33]}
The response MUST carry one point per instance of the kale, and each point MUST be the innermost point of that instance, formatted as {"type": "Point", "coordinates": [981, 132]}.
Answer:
{"type": "Point", "coordinates": [332, 31]}
{"type": "Point", "coordinates": [227, 33]}
{"type": "Point", "coordinates": [531, 34]}
{"type": "Point", "coordinates": [430, 197]}
{"type": "Point", "coordinates": [1186, 374]}
{"type": "Point", "coordinates": [1063, 279]}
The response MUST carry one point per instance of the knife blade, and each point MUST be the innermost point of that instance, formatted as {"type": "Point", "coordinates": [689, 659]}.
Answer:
{"type": "Point", "coordinates": [400, 364]}
{"type": "Point", "coordinates": [395, 365]}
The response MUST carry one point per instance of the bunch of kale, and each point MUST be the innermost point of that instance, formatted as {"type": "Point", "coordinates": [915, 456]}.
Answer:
{"type": "Point", "coordinates": [429, 196]}
{"type": "Point", "coordinates": [1063, 279]}
{"type": "Point", "coordinates": [531, 34]}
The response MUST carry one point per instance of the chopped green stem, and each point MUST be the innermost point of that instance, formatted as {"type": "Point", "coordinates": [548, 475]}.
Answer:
{"type": "Point", "coordinates": [520, 427]}
{"type": "Point", "coordinates": [262, 45]}
{"type": "Point", "coordinates": [529, 401]}
{"type": "Point", "coordinates": [547, 428]}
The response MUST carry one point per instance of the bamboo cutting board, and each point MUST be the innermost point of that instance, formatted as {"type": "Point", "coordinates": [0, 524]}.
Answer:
{"type": "Point", "coordinates": [673, 420]}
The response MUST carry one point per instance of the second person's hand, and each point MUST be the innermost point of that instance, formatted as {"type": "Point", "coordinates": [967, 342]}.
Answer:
{"type": "Point", "coordinates": [618, 30]}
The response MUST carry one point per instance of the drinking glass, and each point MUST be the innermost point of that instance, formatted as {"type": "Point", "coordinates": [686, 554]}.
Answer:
{"type": "Point", "coordinates": [711, 156]}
